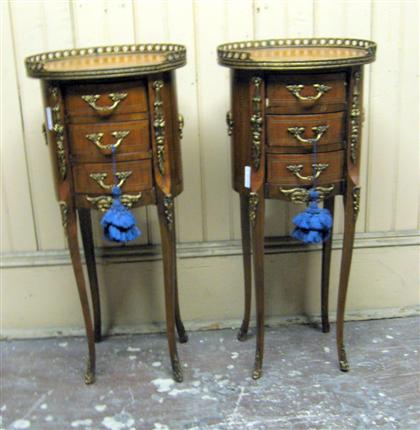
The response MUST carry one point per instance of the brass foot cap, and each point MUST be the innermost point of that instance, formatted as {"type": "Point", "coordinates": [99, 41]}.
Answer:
{"type": "Point", "coordinates": [177, 371]}
{"type": "Point", "coordinates": [242, 334]}
{"type": "Point", "coordinates": [89, 378]}
{"type": "Point", "coordinates": [178, 376]}
{"type": "Point", "coordinates": [344, 366]}
{"type": "Point", "coordinates": [256, 374]}
{"type": "Point", "coordinates": [183, 337]}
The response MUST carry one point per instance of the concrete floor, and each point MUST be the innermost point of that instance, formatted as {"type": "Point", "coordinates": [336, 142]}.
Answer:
{"type": "Point", "coordinates": [302, 388]}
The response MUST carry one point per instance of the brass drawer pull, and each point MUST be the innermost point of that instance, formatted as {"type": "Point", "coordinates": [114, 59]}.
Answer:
{"type": "Point", "coordinates": [297, 132]}
{"type": "Point", "coordinates": [297, 168]}
{"type": "Point", "coordinates": [100, 177]}
{"type": "Point", "coordinates": [44, 132]}
{"type": "Point", "coordinates": [229, 123]}
{"type": "Point", "coordinates": [91, 100]}
{"type": "Point", "coordinates": [319, 88]}
{"type": "Point", "coordinates": [181, 123]}
{"type": "Point", "coordinates": [301, 195]}
{"type": "Point", "coordinates": [96, 138]}
{"type": "Point", "coordinates": [103, 203]}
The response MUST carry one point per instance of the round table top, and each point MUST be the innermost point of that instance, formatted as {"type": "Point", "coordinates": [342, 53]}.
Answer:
{"type": "Point", "coordinates": [296, 54]}
{"type": "Point", "coordinates": [105, 62]}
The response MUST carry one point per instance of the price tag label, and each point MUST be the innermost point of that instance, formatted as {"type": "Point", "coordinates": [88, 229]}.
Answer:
{"type": "Point", "coordinates": [50, 124]}
{"type": "Point", "coordinates": [247, 177]}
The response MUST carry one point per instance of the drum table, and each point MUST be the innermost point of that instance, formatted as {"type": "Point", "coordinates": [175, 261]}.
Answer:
{"type": "Point", "coordinates": [122, 97]}
{"type": "Point", "coordinates": [288, 97]}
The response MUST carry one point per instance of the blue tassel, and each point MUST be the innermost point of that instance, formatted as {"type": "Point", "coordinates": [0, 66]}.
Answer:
{"type": "Point", "coordinates": [314, 224]}
{"type": "Point", "coordinates": [118, 222]}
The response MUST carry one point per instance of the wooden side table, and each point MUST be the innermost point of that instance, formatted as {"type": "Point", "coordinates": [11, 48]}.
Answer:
{"type": "Point", "coordinates": [287, 96]}
{"type": "Point", "coordinates": [121, 96]}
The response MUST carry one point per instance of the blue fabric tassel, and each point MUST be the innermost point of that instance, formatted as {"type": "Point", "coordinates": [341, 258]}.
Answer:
{"type": "Point", "coordinates": [118, 222]}
{"type": "Point", "coordinates": [314, 224]}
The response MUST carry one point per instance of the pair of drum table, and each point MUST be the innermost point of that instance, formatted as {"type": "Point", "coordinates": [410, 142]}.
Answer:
{"type": "Point", "coordinates": [287, 96]}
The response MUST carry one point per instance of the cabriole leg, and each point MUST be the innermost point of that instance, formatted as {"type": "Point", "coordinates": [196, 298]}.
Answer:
{"type": "Point", "coordinates": [325, 276]}
{"type": "Point", "coordinates": [182, 334]}
{"type": "Point", "coordinates": [89, 249]}
{"type": "Point", "coordinates": [70, 224]}
{"type": "Point", "coordinates": [246, 250]}
{"type": "Point", "coordinates": [351, 209]}
{"type": "Point", "coordinates": [256, 216]}
{"type": "Point", "coordinates": [166, 214]}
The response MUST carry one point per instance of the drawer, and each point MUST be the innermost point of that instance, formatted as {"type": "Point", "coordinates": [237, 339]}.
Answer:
{"type": "Point", "coordinates": [297, 132]}
{"type": "Point", "coordinates": [103, 201]}
{"type": "Point", "coordinates": [296, 169]}
{"type": "Point", "coordinates": [105, 100]}
{"type": "Point", "coordinates": [92, 142]}
{"type": "Point", "coordinates": [97, 178]}
{"type": "Point", "coordinates": [306, 93]}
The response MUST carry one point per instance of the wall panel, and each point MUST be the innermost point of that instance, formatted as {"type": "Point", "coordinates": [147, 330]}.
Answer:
{"type": "Point", "coordinates": [237, 29]}
{"type": "Point", "coordinates": [384, 116]}
{"type": "Point", "coordinates": [113, 25]}
{"type": "Point", "coordinates": [271, 22]}
{"type": "Point", "coordinates": [209, 209]}
{"type": "Point", "coordinates": [18, 228]}
{"type": "Point", "coordinates": [151, 25]}
{"type": "Point", "coordinates": [180, 18]}
{"type": "Point", "coordinates": [31, 35]}
{"type": "Point", "coordinates": [212, 106]}
{"type": "Point", "coordinates": [343, 19]}
{"type": "Point", "coordinates": [406, 206]}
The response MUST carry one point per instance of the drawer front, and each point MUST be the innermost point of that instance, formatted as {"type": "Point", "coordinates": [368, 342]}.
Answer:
{"type": "Point", "coordinates": [300, 131]}
{"type": "Point", "coordinates": [97, 178]}
{"type": "Point", "coordinates": [105, 100]}
{"type": "Point", "coordinates": [93, 142]}
{"type": "Point", "coordinates": [306, 93]}
{"type": "Point", "coordinates": [296, 169]}
{"type": "Point", "coordinates": [103, 201]}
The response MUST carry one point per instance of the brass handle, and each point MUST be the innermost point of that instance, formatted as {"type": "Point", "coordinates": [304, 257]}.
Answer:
{"type": "Point", "coordinates": [301, 195]}
{"type": "Point", "coordinates": [319, 88]}
{"type": "Point", "coordinates": [91, 100]}
{"type": "Point", "coordinates": [100, 177]}
{"type": "Point", "coordinates": [44, 132]}
{"type": "Point", "coordinates": [181, 123]}
{"type": "Point", "coordinates": [96, 138]}
{"type": "Point", "coordinates": [297, 168]}
{"type": "Point", "coordinates": [230, 123]}
{"type": "Point", "coordinates": [103, 203]}
{"type": "Point", "coordinates": [297, 132]}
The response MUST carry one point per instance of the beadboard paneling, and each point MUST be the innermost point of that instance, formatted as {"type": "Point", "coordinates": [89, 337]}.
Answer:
{"type": "Point", "coordinates": [18, 228]}
{"type": "Point", "coordinates": [31, 35]}
{"type": "Point", "coordinates": [209, 209]}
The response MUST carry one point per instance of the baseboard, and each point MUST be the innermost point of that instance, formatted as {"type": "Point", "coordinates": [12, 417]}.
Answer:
{"type": "Point", "coordinates": [273, 245]}
{"type": "Point", "coordinates": [192, 326]}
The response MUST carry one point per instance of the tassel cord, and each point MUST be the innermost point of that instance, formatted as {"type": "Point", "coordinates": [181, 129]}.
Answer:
{"type": "Point", "coordinates": [118, 222]}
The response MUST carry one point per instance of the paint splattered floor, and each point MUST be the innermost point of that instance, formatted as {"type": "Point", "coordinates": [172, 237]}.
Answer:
{"type": "Point", "coordinates": [302, 388]}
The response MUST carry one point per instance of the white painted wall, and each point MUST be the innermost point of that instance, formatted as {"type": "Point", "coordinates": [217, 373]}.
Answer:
{"type": "Point", "coordinates": [208, 210]}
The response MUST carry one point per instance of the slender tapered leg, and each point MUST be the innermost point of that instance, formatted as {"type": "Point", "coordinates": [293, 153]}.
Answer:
{"type": "Point", "coordinates": [166, 214]}
{"type": "Point", "coordinates": [256, 216]}
{"type": "Point", "coordinates": [182, 334]}
{"type": "Point", "coordinates": [71, 229]}
{"type": "Point", "coordinates": [88, 247]}
{"type": "Point", "coordinates": [351, 208]}
{"type": "Point", "coordinates": [325, 276]}
{"type": "Point", "coordinates": [246, 251]}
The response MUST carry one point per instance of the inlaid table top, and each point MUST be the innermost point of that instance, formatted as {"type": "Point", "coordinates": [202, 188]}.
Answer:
{"type": "Point", "coordinates": [289, 54]}
{"type": "Point", "coordinates": [107, 61]}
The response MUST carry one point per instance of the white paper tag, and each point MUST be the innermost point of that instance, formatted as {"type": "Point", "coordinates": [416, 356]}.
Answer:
{"type": "Point", "coordinates": [247, 177]}
{"type": "Point", "coordinates": [50, 124]}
